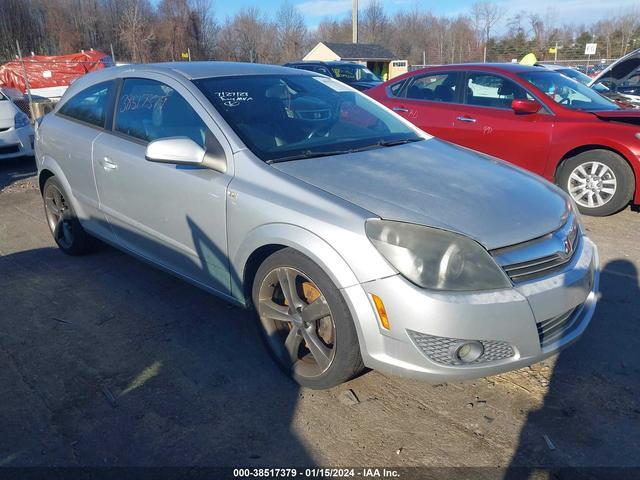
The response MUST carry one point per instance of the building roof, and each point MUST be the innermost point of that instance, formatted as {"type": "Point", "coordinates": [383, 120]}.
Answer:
{"type": "Point", "coordinates": [360, 51]}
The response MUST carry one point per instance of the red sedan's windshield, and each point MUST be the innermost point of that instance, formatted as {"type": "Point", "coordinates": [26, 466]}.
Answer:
{"type": "Point", "coordinates": [567, 92]}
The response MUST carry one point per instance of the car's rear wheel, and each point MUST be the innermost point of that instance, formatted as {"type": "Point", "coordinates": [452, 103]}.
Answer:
{"type": "Point", "coordinates": [599, 181]}
{"type": "Point", "coordinates": [65, 227]}
{"type": "Point", "coordinates": [305, 321]}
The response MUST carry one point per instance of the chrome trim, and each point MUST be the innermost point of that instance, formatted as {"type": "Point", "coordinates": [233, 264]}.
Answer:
{"type": "Point", "coordinates": [535, 258]}
{"type": "Point", "coordinates": [554, 329]}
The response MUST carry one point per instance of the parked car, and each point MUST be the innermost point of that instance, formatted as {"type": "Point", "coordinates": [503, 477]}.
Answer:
{"type": "Point", "coordinates": [16, 132]}
{"type": "Point", "coordinates": [622, 78]}
{"type": "Point", "coordinates": [353, 74]}
{"type": "Point", "coordinates": [577, 76]}
{"type": "Point", "coordinates": [348, 229]}
{"type": "Point", "coordinates": [533, 117]}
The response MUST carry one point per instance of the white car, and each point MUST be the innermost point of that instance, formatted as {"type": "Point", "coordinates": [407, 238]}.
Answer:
{"type": "Point", "coordinates": [16, 132]}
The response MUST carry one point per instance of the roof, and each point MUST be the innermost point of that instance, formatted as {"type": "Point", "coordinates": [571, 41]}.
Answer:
{"type": "Point", "coordinates": [194, 70]}
{"type": "Point", "coordinates": [188, 70]}
{"type": "Point", "coordinates": [323, 63]}
{"type": "Point", "coordinates": [360, 51]}
{"type": "Point", "coordinates": [488, 67]}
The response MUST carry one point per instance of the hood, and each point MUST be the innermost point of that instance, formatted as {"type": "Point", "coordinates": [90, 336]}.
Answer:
{"type": "Point", "coordinates": [621, 69]}
{"type": "Point", "coordinates": [623, 116]}
{"type": "Point", "coordinates": [437, 184]}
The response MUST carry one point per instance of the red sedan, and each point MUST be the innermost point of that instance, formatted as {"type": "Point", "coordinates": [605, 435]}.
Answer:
{"type": "Point", "coordinates": [533, 117]}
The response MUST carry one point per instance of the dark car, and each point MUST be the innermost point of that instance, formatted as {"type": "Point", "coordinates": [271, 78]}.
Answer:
{"type": "Point", "coordinates": [353, 74]}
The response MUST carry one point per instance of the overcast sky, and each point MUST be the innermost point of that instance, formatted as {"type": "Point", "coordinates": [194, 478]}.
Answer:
{"type": "Point", "coordinates": [565, 11]}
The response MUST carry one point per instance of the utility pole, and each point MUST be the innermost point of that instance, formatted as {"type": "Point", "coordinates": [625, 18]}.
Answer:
{"type": "Point", "coordinates": [555, 53]}
{"type": "Point", "coordinates": [354, 21]}
{"type": "Point", "coordinates": [26, 81]}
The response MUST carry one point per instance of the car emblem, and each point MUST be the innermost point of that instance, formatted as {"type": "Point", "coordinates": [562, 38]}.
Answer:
{"type": "Point", "coordinates": [568, 247]}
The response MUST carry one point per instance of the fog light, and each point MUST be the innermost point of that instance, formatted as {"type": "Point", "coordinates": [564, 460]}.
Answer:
{"type": "Point", "coordinates": [468, 352]}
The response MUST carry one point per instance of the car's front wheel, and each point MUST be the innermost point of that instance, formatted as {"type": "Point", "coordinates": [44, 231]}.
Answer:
{"type": "Point", "coordinates": [601, 182]}
{"type": "Point", "coordinates": [305, 321]}
{"type": "Point", "coordinates": [63, 222]}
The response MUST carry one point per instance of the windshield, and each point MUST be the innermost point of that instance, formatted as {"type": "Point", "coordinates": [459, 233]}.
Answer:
{"type": "Point", "coordinates": [576, 75]}
{"type": "Point", "coordinates": [284, 117]}
{"type": "Point", "coordinates": [349, 73]}
{"type": "Point", "coordinates": [567, 92]}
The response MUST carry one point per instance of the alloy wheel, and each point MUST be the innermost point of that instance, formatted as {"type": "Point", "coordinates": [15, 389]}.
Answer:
{"type": "Point", "coordinates": [58, 216]}
{"type": "Point", "coordinates": [592, 184]}
{"type": "Point", "coordinates": [297, 321]}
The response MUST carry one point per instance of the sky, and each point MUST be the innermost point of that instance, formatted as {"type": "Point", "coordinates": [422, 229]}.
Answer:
{"type": "Point", "coordinates": [565, 11]}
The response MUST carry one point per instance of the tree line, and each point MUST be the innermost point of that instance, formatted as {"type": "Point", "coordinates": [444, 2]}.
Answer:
{"type": "Point", "coordinates": [142, 31]}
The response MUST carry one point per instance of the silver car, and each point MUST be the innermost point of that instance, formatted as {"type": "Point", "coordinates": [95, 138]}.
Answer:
{"type": "Point", "coordinates": [358, 239]}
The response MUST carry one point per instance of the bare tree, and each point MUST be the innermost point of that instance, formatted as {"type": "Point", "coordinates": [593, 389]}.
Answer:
{"type": "Point", "coordinates": [291, 31]}
{"type": "Point", "coordinates": [331, 30]}
{"type": "Point", "coordinates": [486, 14]}
{"type": "Point", "coordinates": [628, 22]}
{"type": "Point", "coordinates": [136, 31]}
{"type": "Point", "coordinates": [375, 23]}
{"type": "Point", "coordinates": [146, 30]}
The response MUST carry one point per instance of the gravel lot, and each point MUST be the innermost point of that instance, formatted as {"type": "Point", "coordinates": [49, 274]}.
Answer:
{"type": "Point", "coordinates": [107, 361]}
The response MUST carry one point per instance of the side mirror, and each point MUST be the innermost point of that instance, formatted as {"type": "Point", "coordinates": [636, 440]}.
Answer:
{"type": "Point", "coordinates": [525, 106]}
{"type": "Point", "coordinates": [183, 151]}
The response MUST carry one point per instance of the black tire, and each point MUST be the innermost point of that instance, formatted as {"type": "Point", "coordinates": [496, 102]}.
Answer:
{"type": "Point", "coordinates": [347, 361]}
{"type": "Point", "coordinates": [63, 223]}
{"type": "Point", "coordinates": [619, 172]}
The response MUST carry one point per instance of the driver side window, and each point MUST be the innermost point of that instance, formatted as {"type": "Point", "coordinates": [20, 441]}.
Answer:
{"type": "Point", "coordinates": [149, 110]}
{"type": "Point", "coordinates": [487, 90]}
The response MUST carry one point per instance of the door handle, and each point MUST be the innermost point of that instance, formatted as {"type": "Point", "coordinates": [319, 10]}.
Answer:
{"type": "Point", "coordinates": [400, 109]}
{"type": "Point", "coordinates": [108, 164]}
{"type": "Point", "coordinates": [462, 118]}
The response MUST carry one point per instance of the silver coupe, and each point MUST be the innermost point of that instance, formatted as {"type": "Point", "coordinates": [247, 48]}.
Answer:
{"type": "Point", "coordinates": [359, 240]}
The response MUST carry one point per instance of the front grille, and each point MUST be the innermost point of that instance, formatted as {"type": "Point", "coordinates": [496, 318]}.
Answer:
{"type": "Point", "coordinates": [542, 256]}
{"type": "Point", "coordinates": [9, 149]}
{"type": "Point", "coordinates": [439, 349]}
{"type": "Point", "coordinates": [554, 328]}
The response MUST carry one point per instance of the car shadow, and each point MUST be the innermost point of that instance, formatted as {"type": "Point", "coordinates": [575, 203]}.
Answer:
{"type": "Point", "coordinates": [15, 169]}
{"type": "Point", "coordinates": [564, 431]}
{"type": "Point", "coordinates": [112, 362]}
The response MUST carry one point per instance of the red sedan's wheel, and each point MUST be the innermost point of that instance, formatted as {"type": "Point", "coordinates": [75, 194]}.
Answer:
{"type": "Point", "coordinates": [599, 181]}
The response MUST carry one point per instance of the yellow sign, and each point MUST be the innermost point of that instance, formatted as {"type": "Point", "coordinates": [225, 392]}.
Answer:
{"type": "Point", "coordinates": [185, 55]}
{"type": "Point", "coordinates": [552, 49]}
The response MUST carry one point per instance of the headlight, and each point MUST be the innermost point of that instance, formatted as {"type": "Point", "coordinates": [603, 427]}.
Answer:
{"type": "Point", "coordinates": [436, 259]}
{"type": "Point", "coordinates": [21, 120]}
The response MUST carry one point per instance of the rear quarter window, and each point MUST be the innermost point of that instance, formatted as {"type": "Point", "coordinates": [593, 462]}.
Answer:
{"type": "Point", "coordinates": [89, 105]}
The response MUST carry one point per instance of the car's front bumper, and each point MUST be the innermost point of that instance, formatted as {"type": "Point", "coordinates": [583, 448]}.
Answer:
{"type": "Point", "coordinates": [16, 142]}
{"type": "Point", "coordinates": [424, 324]}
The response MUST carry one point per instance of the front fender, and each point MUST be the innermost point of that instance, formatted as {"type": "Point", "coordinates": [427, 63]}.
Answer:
{"type": "Point", "coordinates": [295, 237]}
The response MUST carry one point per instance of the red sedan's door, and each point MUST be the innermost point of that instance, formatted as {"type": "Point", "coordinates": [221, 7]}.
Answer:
{"type": "Point", "coordinates": [487, 123]}
{"type": "Point", "coordinates": [426, 101]}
